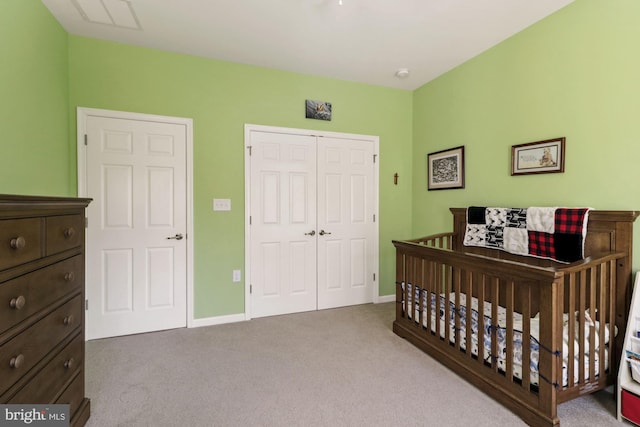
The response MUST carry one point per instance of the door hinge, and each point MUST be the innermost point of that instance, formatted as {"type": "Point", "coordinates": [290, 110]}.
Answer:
{"type": "Point", "coordinates": [250, 289]}
{"type": "Point", "coordinates": [374, 158]}
{"type": "Point", "coordinates": [86, 305]}
{"type": "Point", "coordinates": [85, 139]}
{"type": "Point", "coordinates": [374, 217]}
{"type": "Point", "coordinates": [249, 147]}
{"type": "Point", "coordinates": [374, 277]}
{"type": "Point", "coordinates": [249, 219]}
{"type": "Point", "coordinates": [86, 222]}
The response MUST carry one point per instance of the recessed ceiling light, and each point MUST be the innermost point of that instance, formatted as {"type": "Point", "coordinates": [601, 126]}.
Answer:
{"type": "Point", "coordinates": [402, 73]}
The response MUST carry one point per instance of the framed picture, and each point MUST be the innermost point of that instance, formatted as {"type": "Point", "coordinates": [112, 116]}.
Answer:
{"type": "Point", "coordinates": [445, 169]}
{"type": "Point", "coordinates": [318, 110]}
{"type": "Point", "coordinates": [538, 157]}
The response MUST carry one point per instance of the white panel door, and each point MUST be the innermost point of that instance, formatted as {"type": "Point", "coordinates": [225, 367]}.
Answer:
{"type": "Point", "coordinates": [136, 251]}
{"type": "Point", "coordinates": [283, 218]}
{"type": "Point", "coordinates": [346, 224]}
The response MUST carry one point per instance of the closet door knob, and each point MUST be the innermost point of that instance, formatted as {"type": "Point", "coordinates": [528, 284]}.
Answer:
{"type": "Point", "coordinates": [18, 302]}
{"type": "Point", "coordinates": [18, 243]}
{"type": "Point", "coordinates": [322, 232]}
{"type": "Point", "coordinates": [16, 362]}
{"type": "Point", "coordinates": [311, 233]}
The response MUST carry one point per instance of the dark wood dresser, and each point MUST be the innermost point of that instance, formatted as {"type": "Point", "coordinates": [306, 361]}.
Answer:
{"type": "Point", "coordinates": [42, 302]}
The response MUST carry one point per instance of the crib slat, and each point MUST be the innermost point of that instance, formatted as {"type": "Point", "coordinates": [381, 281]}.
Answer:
{"type": "Point", "coordinates": [401, 286]}
{"type": "Point", "coordinates": [525, 297]}
{"type": "Point", "coordinates": [495, 299]}
{"type": "Point", "coordinates": [571, 330]}
{"type": "Point", "coordinates": [581, 325]}
{"type": "Point", "coordinates": [563, 302]}
{"type": "Point", "coordinates": [413, 286]}
{"type": "Point", "coordinates": [510, 311]}
{"type": "Point", "coordinates": [423, 300]}
{"type": "Point", "coordinates": [592, 328]}
{"type": "Point", "coordinates": [418, 309]}
{"type": "Point", "coordinates": [613, 355]}
{"type": "Point", "coordinates": [422, 280]}
{"type": "Point", "coordinates": [481, 323]}
{"type": "Point", "coordinates": [419, 281]}
{"type": "Point", "coordinates": [468, 320]}
{"type": "Point", "coordinates": [437, 291]}
{"type": "Point", "coordinates": [447, 303]}
{"type": "Point", "coordinates": [460, 276]}
{"type": "Point", "coordinates": [603, 320]}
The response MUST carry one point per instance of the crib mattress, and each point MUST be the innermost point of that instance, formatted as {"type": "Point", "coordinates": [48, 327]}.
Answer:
{"type": "Point", "coordinates": [501, 334]}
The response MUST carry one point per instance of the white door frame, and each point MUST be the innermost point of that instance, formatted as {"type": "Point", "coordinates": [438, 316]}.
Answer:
{"type": "Point", "coordinates": [248, 128]}
{"type": "Point", "coordinates": [81, 115]}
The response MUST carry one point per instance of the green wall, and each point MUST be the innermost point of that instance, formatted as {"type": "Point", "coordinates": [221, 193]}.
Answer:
{"type": "Point", "coordinates": [221, 97]}
{"type": "Point", "coordinates": [33, 101]}
{"type": "Point", "coordinates": [574, 74]}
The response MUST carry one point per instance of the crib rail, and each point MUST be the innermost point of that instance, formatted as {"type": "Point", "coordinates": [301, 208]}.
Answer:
{"type": "Point", "coordinates": [435, 287]}
{"type": "Point", "coordinates": [442, 240]}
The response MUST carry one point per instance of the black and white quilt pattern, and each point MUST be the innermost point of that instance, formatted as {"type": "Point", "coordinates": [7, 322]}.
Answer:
{"type": "Point", "coordinates": [543, 232]}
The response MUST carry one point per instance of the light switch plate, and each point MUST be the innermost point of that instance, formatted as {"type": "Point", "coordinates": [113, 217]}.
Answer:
{"type": "Point", "coordinates": [236, 275]}
{"type": "Point", "coordinates": [221, 204]}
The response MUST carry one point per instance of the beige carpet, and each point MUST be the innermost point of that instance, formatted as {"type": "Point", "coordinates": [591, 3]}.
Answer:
{"type": "Point", "coordinates": [341, 367]}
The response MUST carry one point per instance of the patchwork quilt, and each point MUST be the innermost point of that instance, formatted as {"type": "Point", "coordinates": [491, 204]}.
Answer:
{"type": "Point", "coordinates": [543, 232]}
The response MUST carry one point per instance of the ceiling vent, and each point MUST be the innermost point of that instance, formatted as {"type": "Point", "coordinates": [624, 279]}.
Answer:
{"type": "Point", "coordinates": [115, 13]}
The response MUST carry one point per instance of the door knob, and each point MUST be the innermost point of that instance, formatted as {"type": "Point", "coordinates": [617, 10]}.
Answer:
{"type": "Point", "coordinates": [311, 233]}
{"type": "Point", "coordinates": [176, 237]}
{"type": "Point", "coordinates": [322, 232]}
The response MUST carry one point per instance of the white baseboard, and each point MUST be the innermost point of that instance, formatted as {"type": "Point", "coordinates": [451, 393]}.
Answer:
{"type": "Point", "coordinates": [240, 317]}
{"type": "Point", "coordinates": [386, 298]}
{"type": "Point", "coordinates": [217, 320]}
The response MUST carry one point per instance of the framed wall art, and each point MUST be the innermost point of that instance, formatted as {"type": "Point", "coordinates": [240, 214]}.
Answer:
{"type": "Point", "coordinates": [445, 169]}
{"type": "Point", "coordinates": [318, 110]}
{"type": "Point", "coordinates": [538, 157]}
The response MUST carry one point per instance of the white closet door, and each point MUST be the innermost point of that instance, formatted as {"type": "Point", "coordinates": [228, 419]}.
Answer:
{"type": "Point", "coordinates": [346, 224]}
{"type": "Point", "coordinates": [312, 238]}
{"type": "Point", "coordinates": [283, 219]}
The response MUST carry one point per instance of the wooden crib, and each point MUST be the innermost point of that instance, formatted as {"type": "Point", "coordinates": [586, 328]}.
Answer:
{"type": "Point", "coordinates": [560, 316]}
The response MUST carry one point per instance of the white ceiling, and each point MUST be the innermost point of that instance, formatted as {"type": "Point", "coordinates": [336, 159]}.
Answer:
{"type": "Point", "coordinates": [363, 41]}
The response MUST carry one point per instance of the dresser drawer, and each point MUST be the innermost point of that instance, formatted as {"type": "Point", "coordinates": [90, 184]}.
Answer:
{"type": "Point", "coordinates": [28, 294]}
{"type": "Point", "coordinates": [64, 232]}
{"type": "Point", "coordinates": [74, 394]}
{"type": "Point", "coordinates": [20, 241]}
{"type": "Point", "coordinates": [48, 383]}
{"type": "Point", "coordinates": [21, 353]}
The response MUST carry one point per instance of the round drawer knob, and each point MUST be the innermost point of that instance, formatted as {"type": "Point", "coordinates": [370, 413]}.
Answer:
{"type": "Point", "coordinates": [18, 302]}
{"type": "Point", "coordinates": [69, 363]}
{"type": "Point", "coordinates": [18, 242]}
{"type": "Point", "coordinates": [69, 277]}
{"type": "Point", "coordinates": [69, 232]}
{"type": "Point", "coordinates": [16, 362]}
{"type": "Point", "coordinates": [68, 320]}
